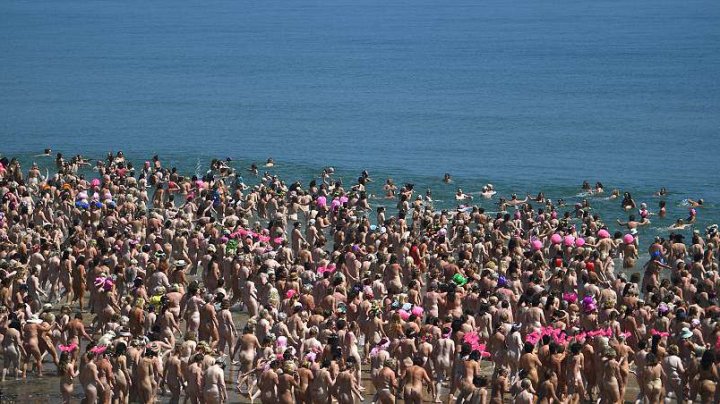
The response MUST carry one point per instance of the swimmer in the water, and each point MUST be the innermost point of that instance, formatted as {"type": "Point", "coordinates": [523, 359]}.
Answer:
{"type": "Point", "coordinates": [693, 216]}
{"type": "Point", "coordinates": [488, 191]}
{"type": "Point", "coordinates": [515, 201]}
{"type": "Point", "coordinates": [59, 160]}
{"type": "Point", "coordinates": [695, 204]}
{"type": "Point", "coordinates": [632, 224]}
{"type": "Point", "coordinates": [46, 153]}
{"type": "Point", "coordinates": [80, 160]}
{"type": "Point", "coordinates": [253, 169]}
{"type": "Point", "coordinates": [586, 187]}
{"type": "Point", "coordinates": [428, 195]}
{"type": "Point", "coordinates": [614, 194]}
{"type": "Point", "coordinates": [389, 188]}
{"type": "Point", "coordinates": [447, 179]}
{"type": "Point", "coordinates": [270, 162]}
{"type": "Point", "coordinates": [579, 210]}
{"type": "Point", "coordinates": [461, 196]}
{"type": "Point", "coordinates": [662, 192]}
{"type": "Point", "coordinates": [644, 214]}
{"type": "Point", "coordinates": [326, 175]}
{"type": "Point", "coordinates": [663, 209]}
{"type": "Point", "coordinates": [628, 202]}
{"type": "Point", "coordinates": [679, 225]}
{"type": "Point", "coordinates": [711, 230]}
{"type": "Point", "coordinates": [599, 189]}
{"type": "Point", "coordinates": [239, 181]}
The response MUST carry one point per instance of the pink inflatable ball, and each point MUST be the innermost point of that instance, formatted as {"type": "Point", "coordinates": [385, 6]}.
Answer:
{"type": "Point", "coordinates": [417, 311]}
{"type": "Point", "coordinates": [628, 239]}
{"type": "Point", "coordinates": [603, 233]}
{"type": "Point", "coordinates": [95, 182]}
{"type": "Point", "coordinates": [556, 238]}
{"type": "Point", "coordinates": [579, 242]}
{"type": "Point", "coordinates": [569, 241]}
{"type": "Point", "coordinates": [537, 245]}
{"type": "Point", "coordinates": [404, 315]}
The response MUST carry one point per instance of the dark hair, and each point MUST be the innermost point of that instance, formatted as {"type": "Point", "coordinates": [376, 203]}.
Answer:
{"type": "Point", "coordinates": [120, 349]}
{"type": "Point", "coordinates": [707, 360]}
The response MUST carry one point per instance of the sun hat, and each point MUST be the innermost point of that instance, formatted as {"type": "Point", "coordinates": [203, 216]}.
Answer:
{"type": "Point", "coordinates": [685, 333]}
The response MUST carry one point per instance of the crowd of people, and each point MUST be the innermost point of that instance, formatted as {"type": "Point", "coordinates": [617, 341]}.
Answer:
{"type": "Point", "coordinates": [142, 282]}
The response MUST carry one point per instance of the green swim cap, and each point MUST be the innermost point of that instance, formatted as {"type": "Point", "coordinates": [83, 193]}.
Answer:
{"type": "Point", "coordinates": [459, 280]}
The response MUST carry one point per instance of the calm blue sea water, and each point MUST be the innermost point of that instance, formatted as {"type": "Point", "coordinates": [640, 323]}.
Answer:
{"type": "Point", "coordinates": [525, 94]}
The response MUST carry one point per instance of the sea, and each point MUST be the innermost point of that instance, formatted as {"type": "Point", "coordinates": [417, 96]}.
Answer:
{"type": "Point", "coordinates": [527, 95]}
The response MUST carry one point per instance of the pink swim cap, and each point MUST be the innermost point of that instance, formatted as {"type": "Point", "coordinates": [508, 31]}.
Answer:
{"type": "Point", "coordinates": [556, 238]}
{"type": "Point", "coordinates": [537, 245]}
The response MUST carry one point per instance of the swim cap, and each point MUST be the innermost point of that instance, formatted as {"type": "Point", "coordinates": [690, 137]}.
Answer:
{"type": "Point", "coordinates": [459, 280]}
